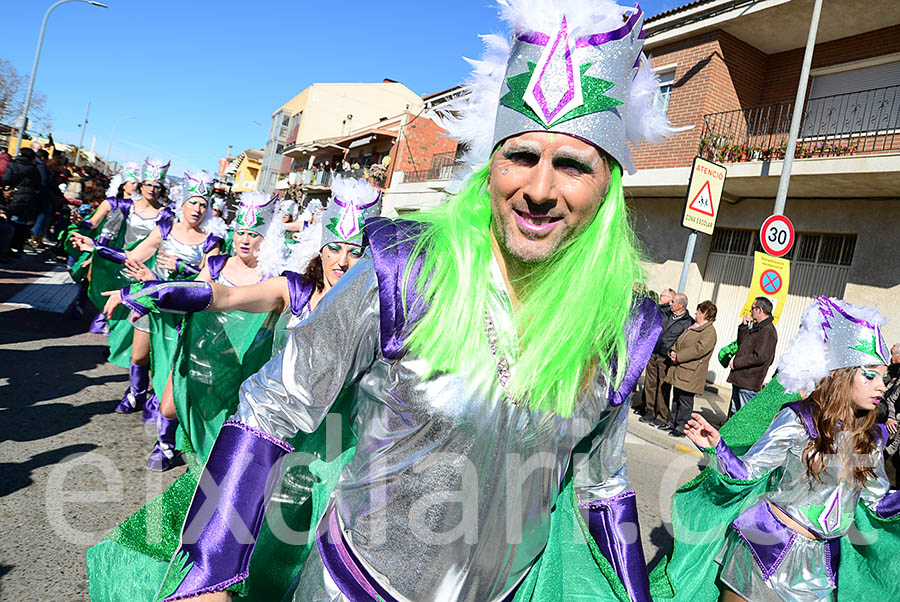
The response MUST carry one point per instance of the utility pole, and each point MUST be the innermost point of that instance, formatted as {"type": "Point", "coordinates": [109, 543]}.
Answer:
{"type": "Point", "coordinates": [785, 180]}
{"type": "Point", "coordinates": [37, 57]}
{"type": "Point", "coordinates": [81, 141]}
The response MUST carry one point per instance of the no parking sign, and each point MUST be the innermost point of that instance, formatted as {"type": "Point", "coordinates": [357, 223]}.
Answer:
{"type": "Point", "coordinates": [770, 280]}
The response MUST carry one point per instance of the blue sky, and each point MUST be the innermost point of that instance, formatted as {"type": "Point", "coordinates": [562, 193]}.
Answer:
{"type": "Point", "coordinates": [195, 74]}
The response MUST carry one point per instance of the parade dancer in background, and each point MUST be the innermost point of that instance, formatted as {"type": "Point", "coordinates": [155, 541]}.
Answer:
{"type": "Point", "coordinates": [104, 223]}
{"type": "Point", "coordinates": [819, 459]}
{"type": "Point", "coordinates": [498, 331]}
{"type": "Point", "coordinates": [137, 218]}
{"type": "Point", "coordinates": [207, 365]}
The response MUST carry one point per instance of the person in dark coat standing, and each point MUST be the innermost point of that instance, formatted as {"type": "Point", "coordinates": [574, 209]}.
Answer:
{"type": "Point", "coordinates": [756, 339]}
{"type": "Point", "coordinates": [689, 359]}
{"type": "Point", "coordinates": [656, 389]}
{"type": "Point", "coordinates": [23, 175]}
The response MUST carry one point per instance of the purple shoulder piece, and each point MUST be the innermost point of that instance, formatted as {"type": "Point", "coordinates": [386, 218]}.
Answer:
{"type": "Point", "coordinates": [113, 202]}
{"type": "Point", "coordinates": [801, 408]}
{"type": "Point", "coordinates": [299, 290]}
{"type": "Point", "coordinates": [643, 330]}
{"type": "Point", "coordinates": [164, 220]}
{"type": "Point", "coordinates": [125, 206]}
{"type": "Point", "coordinates": [212, 241]}
{"type": "Point", "coordinates": [215, 264]}
{"type": "Point", "coordinates": [392, 244]}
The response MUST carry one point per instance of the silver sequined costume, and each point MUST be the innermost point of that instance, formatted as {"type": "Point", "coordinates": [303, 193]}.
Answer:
{"type": "Point", "coordinates": [826, 509]}
{"type": "Point", "coordinates": [451, 486]}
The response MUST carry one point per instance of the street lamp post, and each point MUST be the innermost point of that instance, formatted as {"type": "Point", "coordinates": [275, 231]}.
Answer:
{"type": "Point", "coordinates": [37, 56]}
{"type": "Point", "coordinates": [111, 136]}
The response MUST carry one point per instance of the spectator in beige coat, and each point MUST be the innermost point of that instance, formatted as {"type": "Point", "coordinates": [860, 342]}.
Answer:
{"type": "Point", "coordinates": [689, 362]}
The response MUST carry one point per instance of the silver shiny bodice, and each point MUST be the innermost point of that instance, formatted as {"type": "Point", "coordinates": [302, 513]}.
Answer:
{"type": "Point", "coordinates": [450, 491]}
{"type": "Point", "coordinates": [183, 251]}
{"type": "Point", "coordinates": [138, 228]}
{"type": "Point", "coordinates": [826, 508]}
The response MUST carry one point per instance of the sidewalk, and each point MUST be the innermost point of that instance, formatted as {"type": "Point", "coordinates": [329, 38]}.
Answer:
{"type": "Point", "coordinates": [712, 404]}
{"type": "Point", "coordinates": [37, 280]}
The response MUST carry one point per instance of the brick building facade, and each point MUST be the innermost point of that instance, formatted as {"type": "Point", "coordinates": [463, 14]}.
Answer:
{"type": "Point", "coordinates": [730, 71]}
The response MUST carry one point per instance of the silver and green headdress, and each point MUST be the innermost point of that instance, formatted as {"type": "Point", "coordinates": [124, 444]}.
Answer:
{"type": "Point", "coordinates": [352, 202]}
{"type": "Point", "coordinates": [154, 169]}
{"type": "Point", "coordinates": [255, 212]}
{"type": "Point", "coordinates": [571, 66]}
{"type": "Point", "coordinates": [834, 334]}
{"type": "Point", "coordinates": [131, 172]}
{"type": "Point", "coordinates": [198, 183]}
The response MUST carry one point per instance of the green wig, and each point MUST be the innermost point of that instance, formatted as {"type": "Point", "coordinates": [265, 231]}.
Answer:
{"type": "Point", "coordinates": [573, 314]}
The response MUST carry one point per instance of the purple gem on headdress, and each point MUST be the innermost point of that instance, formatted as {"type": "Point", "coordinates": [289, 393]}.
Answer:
{"type": "Point", "coordinates": [559, 52]}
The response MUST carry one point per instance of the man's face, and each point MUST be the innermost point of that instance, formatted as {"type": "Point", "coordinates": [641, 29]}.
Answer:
{"type": "Point", "coordinates": [665, 299]}
{"type": "Point", "coordinates": [895, 355]}
{"type": "Point", "coordinates": [545, 188]}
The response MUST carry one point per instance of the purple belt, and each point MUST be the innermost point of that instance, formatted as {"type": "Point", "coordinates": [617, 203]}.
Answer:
{"type": "Point", "coordinates": [769, 540]}
{"type": "Point", "coordinates": [345, 569]}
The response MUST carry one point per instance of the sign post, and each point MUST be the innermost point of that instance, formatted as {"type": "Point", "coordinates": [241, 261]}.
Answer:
{"type": "Point", "coordinates": [701, 207]}
{"type": "Point", "coordinates": [771, 276]}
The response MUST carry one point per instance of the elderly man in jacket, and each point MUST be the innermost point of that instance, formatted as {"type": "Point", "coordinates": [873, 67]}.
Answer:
{"type": "Point", "coordinates": [656, 389]}
{"type": "Point", "coordinates": [756, 339]}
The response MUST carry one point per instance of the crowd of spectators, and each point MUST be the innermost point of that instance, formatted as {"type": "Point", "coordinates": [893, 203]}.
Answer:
{"type": "Point", "coordinates": [38, 185]}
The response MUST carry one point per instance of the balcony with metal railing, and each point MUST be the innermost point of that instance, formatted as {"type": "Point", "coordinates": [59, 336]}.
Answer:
{"type": "Point", "coordinates": [441, 169]}
{"type": "Point", "coordinates": [858, 123]}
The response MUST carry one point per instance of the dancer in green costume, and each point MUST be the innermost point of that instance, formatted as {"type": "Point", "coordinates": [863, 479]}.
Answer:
{"type": "Point", "coordinates": [180, 253]}
{"type": "Point", "coordinates": [770, 522]}
{"type": "Point", "coordinates": [204, 348]}
{"type": "Point", "coordinates": [129, 344]}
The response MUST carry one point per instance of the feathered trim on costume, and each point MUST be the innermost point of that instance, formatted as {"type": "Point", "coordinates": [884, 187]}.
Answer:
{"type": "Point", "coordinates": [803, 365]}
{"type": "Point", "coordinates": [114, 184]}
{"type": "Point", "coordinates": [356, 190]}
{"type": "Point", "coordinates": [470, 119]}
{"type": "Point", "coordinates": [308, 246]}
{"type": "Point", "coordinates": [273, 256]}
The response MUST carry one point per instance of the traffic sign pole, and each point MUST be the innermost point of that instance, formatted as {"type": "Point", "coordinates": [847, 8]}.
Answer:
{"type": "Point", "coordinates": [688, 258]}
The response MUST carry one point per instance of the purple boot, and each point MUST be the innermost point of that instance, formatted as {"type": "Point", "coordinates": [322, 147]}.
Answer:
{"type": "Point", "coordinates": [151, 408]}
{"type": "Point", "coordinates": [99, 325]}
{"type": "Point", "coordinates": [163, 457]}
{"type": "Point", "coordinates": [136, 395]}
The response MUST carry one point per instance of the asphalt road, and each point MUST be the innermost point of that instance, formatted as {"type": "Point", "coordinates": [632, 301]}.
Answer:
{"type": "Point", "coordinates": [71, 469]}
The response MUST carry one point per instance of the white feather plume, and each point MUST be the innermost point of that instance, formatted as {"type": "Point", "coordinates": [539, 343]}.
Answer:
{"type": "Point", "coordinates": [274, 255]}
{"type": "Point", "coordinates": [114, 184]}
{"type": "Point", "coordinates": [803, 365]}
{"type": "Point", "coordinates": [354, 189]}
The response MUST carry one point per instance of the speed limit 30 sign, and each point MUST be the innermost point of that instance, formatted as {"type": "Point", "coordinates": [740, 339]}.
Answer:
{"type": "Point", "coordinates": [777, 235]}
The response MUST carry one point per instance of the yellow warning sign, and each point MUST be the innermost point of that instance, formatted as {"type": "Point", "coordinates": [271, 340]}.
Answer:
{"type": "Point", "coordinates": [771, 276]}
{"type": "Point", "coordinates": [704, 194]}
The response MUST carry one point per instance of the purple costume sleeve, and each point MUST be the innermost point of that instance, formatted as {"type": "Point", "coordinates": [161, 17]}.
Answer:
{"type": "Point", "coordinates": [889, 505]}
{"type": "Point", "coordinates": [226, 513]}
{"type": "Point", "coordinates": [177, 297]}
{"type": "Point", "coordinates": [110, 253]}
{"type": "Point", "coordinates": [613, 524]}
{"type": "Point", "coordinates": [729, 464]}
